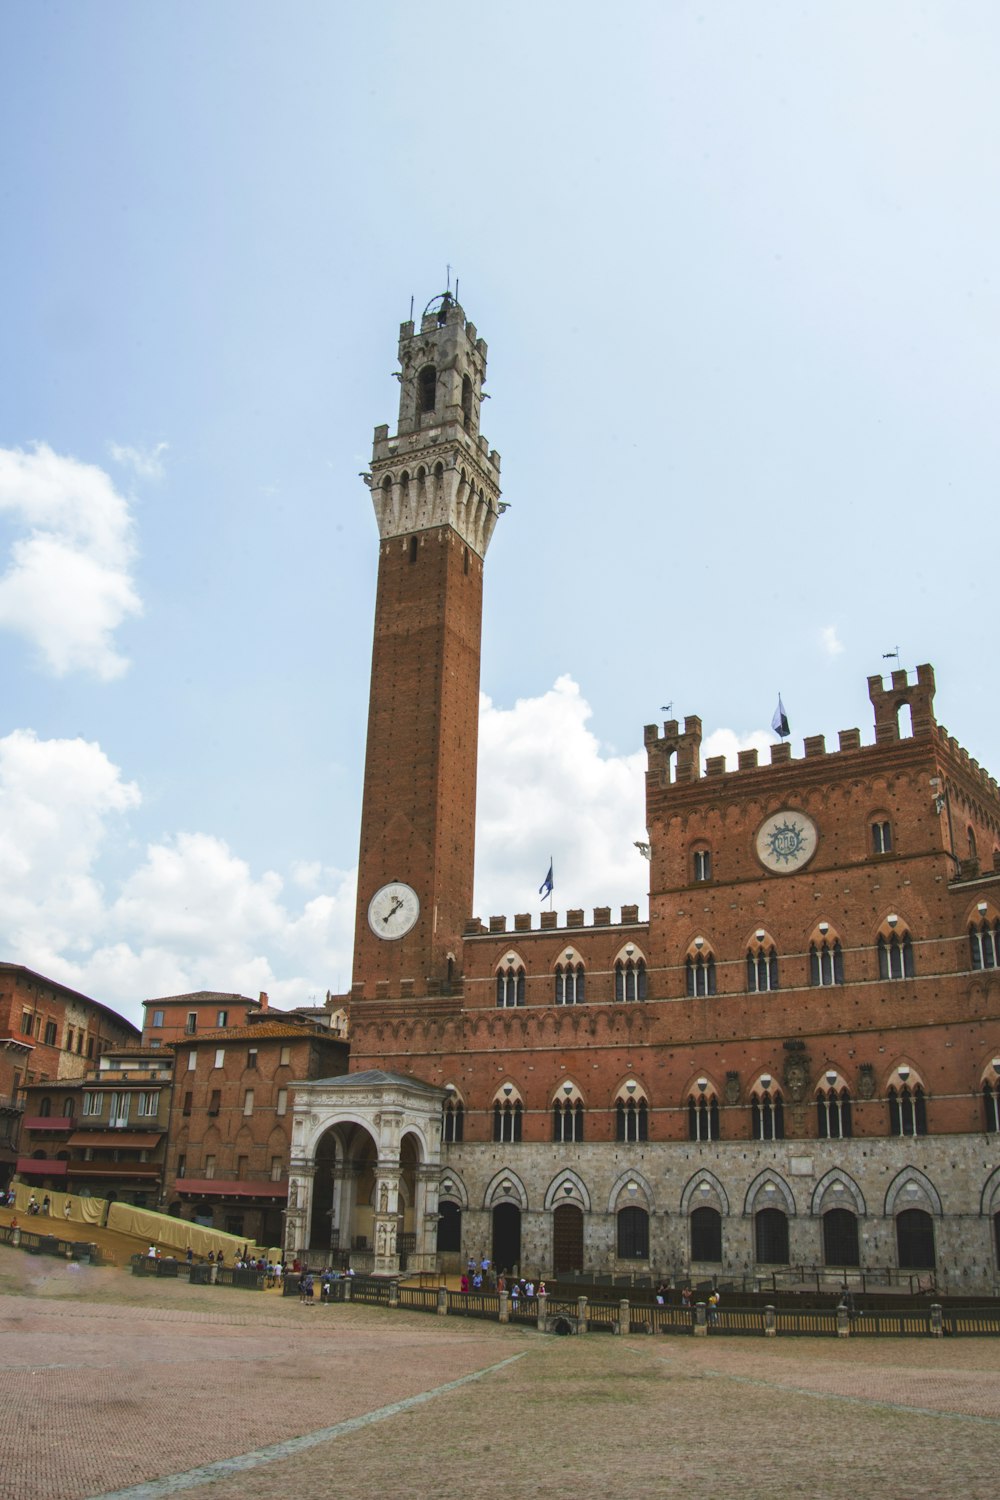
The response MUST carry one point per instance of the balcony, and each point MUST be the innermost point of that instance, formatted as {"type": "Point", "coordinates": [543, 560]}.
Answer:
{"type": "Point", "coordinates": [48, 1123]}
{"type": "Point", "coordinates": [245, 1188]}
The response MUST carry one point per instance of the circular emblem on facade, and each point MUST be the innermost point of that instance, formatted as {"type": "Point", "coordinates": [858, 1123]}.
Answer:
{"type": "Point", "coordinates": [786, 841]}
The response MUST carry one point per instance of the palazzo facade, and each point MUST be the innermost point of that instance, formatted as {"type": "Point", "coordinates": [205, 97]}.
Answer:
{"type": "Point", "coordinates": [793, 1060]}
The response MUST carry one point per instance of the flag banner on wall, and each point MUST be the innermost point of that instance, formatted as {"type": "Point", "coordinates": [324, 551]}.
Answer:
{"type": "Point", "coordinates": [545, 889]}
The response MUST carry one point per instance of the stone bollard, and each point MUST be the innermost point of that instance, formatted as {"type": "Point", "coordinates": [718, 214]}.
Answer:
{"type": "Point", "coordinates": [541, 1315]}
{"type": "Point", "coordinates": [504, 1307]}
{"type": "Point", "coordinates": [442, 1301]}
{"type": "Point", "coordinates": [213, 1273]}
{"type": "Point", "coordinates": [623, 1317]}
{"type": "Point", "coordinates": [348, 1283]}
{"type": "Point", "coordinates": [770, 1322]}
{"type": "Point", "coordinates": [393, 1293]}
{"type": "Point", "coordinates": [581, 1314]}
{"type": "Point", "coordinates": [700, 1329]}
{"type": "Point", "coordinates": [843, 1322]}
{"type": "Point", "coordinates": [937, 1324]}
{"type": "Point", "coordinates": [15, 1236]}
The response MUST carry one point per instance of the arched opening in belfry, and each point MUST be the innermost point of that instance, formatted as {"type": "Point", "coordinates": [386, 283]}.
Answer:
{"type": "Point", "coordinates": [467, 402]}
{"type": "Point", "coordinates": [426, 389]}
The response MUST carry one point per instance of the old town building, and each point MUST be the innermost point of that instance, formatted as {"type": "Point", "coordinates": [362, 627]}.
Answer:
{"type": "Point", "coordinates": [794, 1059]}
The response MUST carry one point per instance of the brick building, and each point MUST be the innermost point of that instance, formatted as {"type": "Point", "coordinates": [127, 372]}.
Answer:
{"type": "Point", "coordinates": [794, 1059]}
{"type": "Point", "coordinates": [227, 1158]}
{"type": "Point", "coordinates": [47, 1032]}
{"type": "Point", "coordinates": [103, 1135]}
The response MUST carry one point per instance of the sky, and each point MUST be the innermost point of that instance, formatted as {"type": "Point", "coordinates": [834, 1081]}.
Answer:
{"type": "Point", "coordinates": [737, 267]}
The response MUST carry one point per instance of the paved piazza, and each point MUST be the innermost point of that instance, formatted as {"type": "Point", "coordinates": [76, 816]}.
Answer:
{"type": "Point", "coordinates": [116, 1385]}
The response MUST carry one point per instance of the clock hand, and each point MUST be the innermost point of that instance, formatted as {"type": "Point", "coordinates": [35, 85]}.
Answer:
{"type": "Point", "coordinates": [392, 910]}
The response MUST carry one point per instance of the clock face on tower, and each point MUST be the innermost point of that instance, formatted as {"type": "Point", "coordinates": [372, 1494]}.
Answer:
{"type": "Point", "coordinates": [786, 841]}
{"type": "Point", "coordinates": [393, 910]}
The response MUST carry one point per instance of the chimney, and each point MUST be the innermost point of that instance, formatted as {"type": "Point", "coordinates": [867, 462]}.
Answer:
{"type": "Point", "coordinates": [263, 999]}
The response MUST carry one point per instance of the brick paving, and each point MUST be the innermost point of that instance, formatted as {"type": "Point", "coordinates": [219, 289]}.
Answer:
{"type": "Point", "coordinates": [111, 1382]}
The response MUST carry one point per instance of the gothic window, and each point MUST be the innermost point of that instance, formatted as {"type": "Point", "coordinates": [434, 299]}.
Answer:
{"type": "Point", "coordinates": [507, 1120]}
{"type": "Point", "coordinates": [833, 1113]}
{"type": "Point", "coordinates": [630, 979]}
{"type": "Point", "coordinates": [895, 956]}
{"type": "Point", "coordinates": [69, 1107]}
{"type": "Point", "coordinates": [453, 1121]}
{"type": "Point", "coordinates": [413, 549]}
{"type": "Point", "coordinates": [991, 1106]}
{"type": "Point", "coordinates": [569, 979]}
{"type": "Point", "coordinates": [427, 389]}
{"type": "Point", "coordinates": [703, 1116]}
{"type": "Point", "coordinates": [706, 1235]}
{"type": "Point", "coordinates": [840, 1238]}
{"type": "Point", "coordinates": [826, 962]}
{"type": "Point", "coordinates": [907, 1110]}
{"type": "Point", "coordinates": [699, 973]}
{"type": "Point", "coordinates": [702, 864]}
{"type": "Point", "coordinates": [762, 967]}
{"type": "Point", "coordinates": [915, 1240]}
{"type": "Point", "coordinates": [767, 1113]}
{"type": "Point", "coordinates": [632, 1119]}
{"type": "Point", "coordinates": [633, 1234]}
{"type": "Point", "coordinates": [984, 945]}
{"type": "Point", "coordinates": [567, 1120]}
{"type": "Point", "coordinates": [973, 851]}
{"type": "Point", "coordinates": [45, 1107]}
{"type": "Point", "coordinates": [882, 836]}
{"type": "Point", "coordinates": [771, 1237]}
{"type": "Point", "coordinates": [510, 986]}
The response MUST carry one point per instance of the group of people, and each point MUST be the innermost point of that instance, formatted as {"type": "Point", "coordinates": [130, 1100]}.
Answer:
{"type": "Point", "coordinates": [327, 1277]}
{"type": "Point", "coordinates": [34, 1207]}
{"type": "Point", "coordinates": [480, 1275]}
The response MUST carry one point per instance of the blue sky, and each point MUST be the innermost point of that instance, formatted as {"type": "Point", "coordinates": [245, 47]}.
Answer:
{"type": "Point", "coordinates": [736, 266]}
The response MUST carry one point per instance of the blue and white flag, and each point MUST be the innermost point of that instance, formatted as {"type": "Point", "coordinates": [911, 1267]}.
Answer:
{"type": "Point", "coordinates": [780, 721]}
{"type": "Point", "coordinates": [545, 889]}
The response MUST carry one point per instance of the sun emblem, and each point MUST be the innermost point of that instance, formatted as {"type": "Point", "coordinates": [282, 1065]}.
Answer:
{"type": "Point", "coordinates": [786, 842]}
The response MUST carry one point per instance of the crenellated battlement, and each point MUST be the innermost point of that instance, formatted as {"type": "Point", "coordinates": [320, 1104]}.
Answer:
{"type": "Point", "coordinates": [549, 921]}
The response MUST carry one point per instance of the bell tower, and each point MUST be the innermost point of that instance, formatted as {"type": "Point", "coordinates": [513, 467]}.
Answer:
{"type": "Point", "coordinates": [435, 487]}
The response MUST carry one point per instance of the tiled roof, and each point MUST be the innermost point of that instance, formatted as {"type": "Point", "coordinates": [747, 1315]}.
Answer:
{"type": "Point", "coordinates": [287, 1030]}
{"type": "Point", "coordinates": [202, 995]}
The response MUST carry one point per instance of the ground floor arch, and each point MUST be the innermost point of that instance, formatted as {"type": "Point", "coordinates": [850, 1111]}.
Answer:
{"type": "Point", "coordinates": [567, 1239]}
{"type": "Point", "coordinates": [506, 1246]}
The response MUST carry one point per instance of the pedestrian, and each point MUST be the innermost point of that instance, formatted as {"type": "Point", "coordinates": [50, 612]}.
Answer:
{"type": "Point", "coordinates": [686, 1297]}
{"type": "Point", "coordinates": [189, 1255]}
{"type": "Point", "coordinates": [68, 1209]}
{"type": "Point", "coordinates": [661, 1294]}
{"type": "Point", "coordinates": [151, 1253]}
{"type": "Point", "coordinates": [541, 1289]}
{"type": "Point", "coordinates": [713, 1309]}
{"type": "Point", "coordinates": [46, 1204]}
{"type": "Point", "coordinates": [529, 1288]}
{"type": "Point", "coordinates": [464, 1283]}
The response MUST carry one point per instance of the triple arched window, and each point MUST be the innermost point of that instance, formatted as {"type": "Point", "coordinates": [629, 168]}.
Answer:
{"type": "Point", "coordinates": [833, 1112]}
{"type": "Point", "coordinates": [507, 1116]}
{"type": "Point", "coordinates": [826, 962]}
{"type": "Point", "coordinates": [984, 944]}
{"type": "Point", "coordinates": [631, 1114]}
{"type": "Point", "coordinates": [510, 986]}
{"type": "Point", "coordinates": [895, 956]}
{"type": "Point", "coordinates": [630, 979]}
{"type": "Point", "coordinates": [703, 1115]}
{"type": "Point", "coordinates": [907, 1110]}
{"type": "Point", "coordinates": [762, 966]}
{"type": "Point", "coordinates": [767, 1113]}
{"type": "Point", "coordinates": [567, 1119]}
{"type": "Point", "coordinates": [570, 983]}
{"type": "Point", "coordinates": [699, 972]}
{"type": "Point", "coordinates": [453, 1120]}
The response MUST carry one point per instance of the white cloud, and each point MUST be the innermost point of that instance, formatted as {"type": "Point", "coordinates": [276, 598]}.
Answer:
{"type": "Point", "coordinates": [147, 463]}
{"type": "Point", "coordinates": [547, 787]}
{"type": "Point", "coordinates": [68, 584]}
{"type": "Point", "coordinates": [729, 743]}
{"type": "Point", "coordinates": [832, 644]}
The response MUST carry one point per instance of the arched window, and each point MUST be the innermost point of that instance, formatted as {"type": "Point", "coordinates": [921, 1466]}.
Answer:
{"type": "Point", "coordinates": [915, 1240]}
{"type": "Point", "coordinates": [767, 1113]}
{"type": "Point", "coordinates": [467, 402]}
{"type": "Point", "coordinates": [507, 1120]}
{"type": "Point", "coordinates": [991, 1105]}
{"type": "Point", "coordinates": [703, 1116]}
{"type": "Point", "coordinates": [826, 962]}
{"type": "Point", "coordinates": [427, 389]}
{"type": "Point", "coordinates": [833, 1113]}
{"type": "Point", "coordinates": [771, 1237]}
{"type": "Point", "coordinates": [45, 1107]}
{"type": "Point", "coordinates": [633, 1234]}
{"type": "Point", "coordinates": [984, 944]}
{"type": "Point", "coordinates": [699, 972]}
{"type": "Point", "coordinates": [882, 836]}
{"type": "Point", "coordinates": [907, 1110]}
{"type": "Point", "coordinates": [449, 1226]}
{"type": "Point", "coordinates": [632, 1116]}
{"type": "Point", "coordinates": [567, 1119]}
{"type": "Point", "coordinates": [453, 1120]}
{"type": "Point", "coordinates": [840, 1238]}
{"type": "Point", "coordinates": [630, 979]}
{"type": "Point", "coordinates": [69, 1108]}
{"type": "Point", "coordinates": [570, 985]}
{"type": "Point", "coordinates": [971, 836]}
{"type": "Point", "coordinates": [762, 967]}
{"type": "Point", "coordinates": [701, 860]}
{"type": "Point", "coordinates": [706, 1235]}
{"type": "Point", "coordinates": [510, 986]}
{"type": "Point", "coordinates": [895, 956]}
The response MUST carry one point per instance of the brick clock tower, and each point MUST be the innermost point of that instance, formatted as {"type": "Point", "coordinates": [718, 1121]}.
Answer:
{"type": "Point", "coordinates": [435, 487]}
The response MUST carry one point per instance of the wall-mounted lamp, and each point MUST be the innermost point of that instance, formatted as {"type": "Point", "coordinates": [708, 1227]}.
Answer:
{"type": "Point", "coordinates": [702, 1084]}
{"type": "Point", "coordinates": [892, 919]}
{"type": "Point", "coordinates": [766, 1080]}
{"type": "Point", "coordinates": [824, 928]}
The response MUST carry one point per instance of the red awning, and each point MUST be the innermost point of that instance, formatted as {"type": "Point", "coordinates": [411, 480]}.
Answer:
{"type": "Point", "coordinates": [34, 1166]}
{"type": "Point", "coordinates": [49, 1122]}
{"type": "Point", "coordinates": [140, 1139]}
{"type": "Point", "coordinates": [113, 1169]}
{"type": "Point", "coordinates": [210, 1187]}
